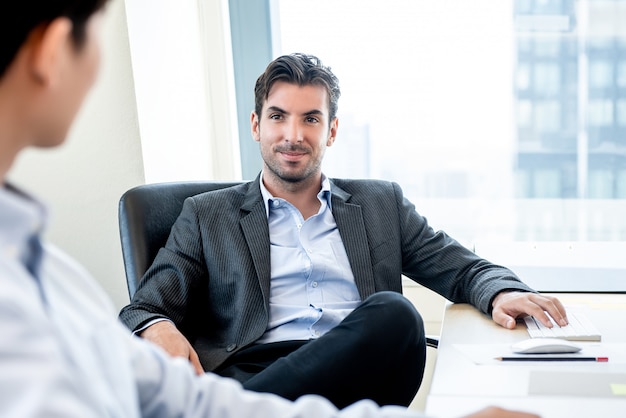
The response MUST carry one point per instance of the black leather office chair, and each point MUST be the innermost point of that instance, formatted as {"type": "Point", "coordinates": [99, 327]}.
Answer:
{"type": "Point", "coordinates": [146, 215]}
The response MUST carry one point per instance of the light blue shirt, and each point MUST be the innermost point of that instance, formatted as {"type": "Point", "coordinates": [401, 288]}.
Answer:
{"type": "Point", "coordinates": [63, 352]}
{"type": "Point", "coordinates": [312, 287]}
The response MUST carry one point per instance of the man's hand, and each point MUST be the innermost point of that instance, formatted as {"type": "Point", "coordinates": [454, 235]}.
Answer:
{"type": "Point", "coordinates": [507, 306]}
{"type": "Point", "coordinates": [495, 412]}
{"type": "Point", "coordinates": [167, 336]}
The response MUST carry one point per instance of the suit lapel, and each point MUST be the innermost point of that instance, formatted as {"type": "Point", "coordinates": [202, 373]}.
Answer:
{"type": "Point", "coordinates": [256, 232]}
{"type": "Point", "coordinates": [351, 226]}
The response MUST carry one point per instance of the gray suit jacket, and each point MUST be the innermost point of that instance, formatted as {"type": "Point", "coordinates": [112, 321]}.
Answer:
{"type": "Point", "coordinates": [212, 278]}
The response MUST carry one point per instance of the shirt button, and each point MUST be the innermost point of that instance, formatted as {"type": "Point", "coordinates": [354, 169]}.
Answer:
{"type": "Point", "coordinates": [231, 347]}
{"type": "Point", "coordinates": [276, 203]}
{"type": "Point", "coordinates": [314, 284]}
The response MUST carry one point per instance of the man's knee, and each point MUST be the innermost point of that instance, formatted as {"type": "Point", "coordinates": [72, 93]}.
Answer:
{"type": "Point", "coordinates": [394, 308]}
{"type": "Point", "coordinates": [393, 317]}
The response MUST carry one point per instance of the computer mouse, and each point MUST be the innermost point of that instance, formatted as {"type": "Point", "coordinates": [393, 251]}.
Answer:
{"type": "Point", "coordinates": [545, 346]}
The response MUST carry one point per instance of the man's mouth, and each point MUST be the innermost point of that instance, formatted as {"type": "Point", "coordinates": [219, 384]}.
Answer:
{"type": "Point", "coordinates": [291, 153]}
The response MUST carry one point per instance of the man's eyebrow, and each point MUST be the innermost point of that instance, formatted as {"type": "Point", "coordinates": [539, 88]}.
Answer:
{"type": "Point", "coordinates": [276, 109]}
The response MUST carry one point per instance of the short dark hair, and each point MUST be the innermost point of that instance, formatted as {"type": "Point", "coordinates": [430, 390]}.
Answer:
{"type": "Point", "coordinates": [300, 69]}
{"type": "Point", "coordinates": [20, 17]}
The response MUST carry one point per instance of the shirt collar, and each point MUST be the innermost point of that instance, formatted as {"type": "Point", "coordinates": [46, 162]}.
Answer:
{"type": "Point", "coordinates": [324, 193]}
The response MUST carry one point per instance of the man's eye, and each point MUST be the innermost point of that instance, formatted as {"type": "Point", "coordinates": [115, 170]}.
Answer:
{"type": "Point", "coordinates": [276, 116]}
{"type": "Point", "coordinates": [311, 119]}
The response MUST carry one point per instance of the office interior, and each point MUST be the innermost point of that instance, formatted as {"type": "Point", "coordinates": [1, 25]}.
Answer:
{"type": "Point", "coordinates": [549, 171]}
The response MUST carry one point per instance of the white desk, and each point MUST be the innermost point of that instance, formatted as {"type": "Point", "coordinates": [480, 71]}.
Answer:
{"type": "Point", "coordinates": [467, 378]}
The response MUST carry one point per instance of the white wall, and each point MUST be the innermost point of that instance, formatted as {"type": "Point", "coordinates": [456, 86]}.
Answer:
{"type": "Point", "coordinates": [130, 117]}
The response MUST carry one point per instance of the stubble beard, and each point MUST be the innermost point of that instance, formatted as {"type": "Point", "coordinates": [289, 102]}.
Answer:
{"type": "Point", "coordinates": [287, 176]}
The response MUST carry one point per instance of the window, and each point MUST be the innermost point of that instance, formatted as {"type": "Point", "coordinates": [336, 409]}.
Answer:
{"type": "Point", "coordinates": [600, 74]}
{"type": "Point", "coordinates": [523, 77]}
{"type": "Point", "coordinates": [548, 116]}
{"type": "Point", "coordinates": [621, 74]}
{"type": "Point", "coordinates": [547, 79]}
{"type": "Point", "coordinates": [524, 113]}
{"type": "Point", "coordinates": [621, 112]}
{"type": "Point", "coordinates": [600, 112]}
{"type": "Point", "coordinates": [501, 120]}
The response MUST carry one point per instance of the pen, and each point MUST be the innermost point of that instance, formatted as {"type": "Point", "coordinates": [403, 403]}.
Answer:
{"type": "Point", "coordinates": [553, 358]}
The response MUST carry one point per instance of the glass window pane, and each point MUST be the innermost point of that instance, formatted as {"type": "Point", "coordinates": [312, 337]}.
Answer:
{"type": "Point", "coordinates": [620, 189]}
{"type": "Point", "coordinates": [547, 183]}
{"type": "Point", "coordinates": [548, 116]}
{"type": "Point", "coordinates": [621, 74]}
{"type": "Point", "coordinates": [547, 78]}
{"type": "Point", "coordinates": [601, 184]}
{"type": "Point", "coordinates": [464, 109]}
{"type": "Point", "coordinates": [600, 74]}
{"type": "Point", "coordinates": [600, 112]}
{"type": "Point", "coordinates": [523, 77]}
{"type": "Point", "coordinates": [547, 7]}
{"type": "Point", "coordinates": [547, 47]}
{"type": "Point", "coordinates": [621, 112]}
{"type": "Point", "coordinates": [524, 113]}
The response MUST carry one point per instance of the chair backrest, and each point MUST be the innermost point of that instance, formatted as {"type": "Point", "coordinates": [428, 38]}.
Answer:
{"type": "Point", "coordinates": [146, 215]}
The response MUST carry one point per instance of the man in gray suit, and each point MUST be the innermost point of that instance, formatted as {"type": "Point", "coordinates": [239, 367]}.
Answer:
{"type": "Point", "coordinates": [291, 283]}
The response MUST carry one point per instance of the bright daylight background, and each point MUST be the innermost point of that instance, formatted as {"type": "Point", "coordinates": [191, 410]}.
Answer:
{"type": "Point", "coordinates": [480, 110]}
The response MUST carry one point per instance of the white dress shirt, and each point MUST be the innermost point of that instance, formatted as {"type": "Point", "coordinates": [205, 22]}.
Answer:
{"type": "Point", "coordinates": [64, 354]}
{"type": "Point", "coordinates": [312, 288]}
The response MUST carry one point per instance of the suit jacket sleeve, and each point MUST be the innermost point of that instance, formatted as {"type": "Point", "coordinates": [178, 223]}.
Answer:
{"type": "Point", "coordinates": [442, 264]}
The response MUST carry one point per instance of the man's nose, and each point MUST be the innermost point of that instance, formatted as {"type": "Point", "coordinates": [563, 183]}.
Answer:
{"type": "Point", "coordinates": [293, 132]}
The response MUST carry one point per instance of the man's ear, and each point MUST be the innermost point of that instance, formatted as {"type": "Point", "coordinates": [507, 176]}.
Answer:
{"type": "Point", "coordinates": [50, 46]}
{"type": "Point", "coordinates": [332, 132]}
{"type": "Point", "coordinates": [254, 126]}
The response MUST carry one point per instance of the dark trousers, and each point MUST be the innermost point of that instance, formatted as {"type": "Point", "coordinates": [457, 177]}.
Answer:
{"type": "Point", "coordinates": [377, 352]}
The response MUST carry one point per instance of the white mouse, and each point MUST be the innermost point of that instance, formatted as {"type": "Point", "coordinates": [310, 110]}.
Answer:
{"type": "Point", "coordinates": [545, 346]}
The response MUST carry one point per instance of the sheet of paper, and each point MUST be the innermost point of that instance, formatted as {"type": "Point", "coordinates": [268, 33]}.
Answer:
{"type": "Point", "coordinates": [487, 353]}
{"type": "Point", "coordinates": [577, 383]}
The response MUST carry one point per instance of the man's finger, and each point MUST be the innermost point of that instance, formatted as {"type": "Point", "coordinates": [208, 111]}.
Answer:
{"type": "Point", "coordinates": [503, 319]}
{"type": "Point", "coordinates": [550, 306]}
{"type": "Point", "coordinates": [195, 361]}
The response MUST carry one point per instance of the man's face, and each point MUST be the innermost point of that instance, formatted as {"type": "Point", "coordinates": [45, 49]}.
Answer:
{"type": "Point", "coordinates": [293, 131]}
